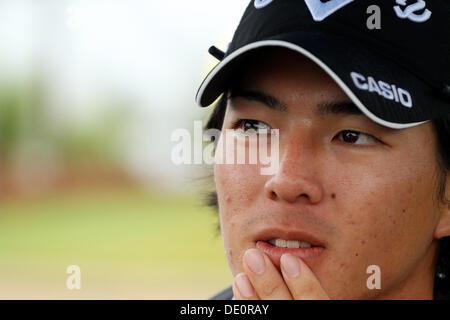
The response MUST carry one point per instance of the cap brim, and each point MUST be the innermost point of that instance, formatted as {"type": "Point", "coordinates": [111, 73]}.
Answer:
{"type": "Point", "coordinates": [339, 59]}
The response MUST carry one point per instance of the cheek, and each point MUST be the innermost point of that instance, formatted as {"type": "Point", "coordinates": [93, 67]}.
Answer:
{"type": "Point", "coordinates": [238, 188]}
{"type": "Point", "coordinates": [385, 196]}
{"type": "Point", "coordinates": [380, 211]}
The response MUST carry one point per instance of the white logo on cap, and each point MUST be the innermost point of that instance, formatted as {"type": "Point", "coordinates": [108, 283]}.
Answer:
{"type": "Point", "coordinates": [262, 3]}
{"type": "Point", "coordinates": [320, 10]}
{"type": "Point", "coordinates": [408, 12]}
{"type": "Point", "coordinates": [386, 90]}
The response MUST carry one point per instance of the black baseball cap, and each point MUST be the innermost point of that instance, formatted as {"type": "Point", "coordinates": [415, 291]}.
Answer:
{"type": "Point", "coordinates": [396, 69]}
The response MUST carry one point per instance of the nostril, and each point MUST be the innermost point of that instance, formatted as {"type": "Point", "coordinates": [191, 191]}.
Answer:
{"type": "Point", "coordinates": [272, 195]}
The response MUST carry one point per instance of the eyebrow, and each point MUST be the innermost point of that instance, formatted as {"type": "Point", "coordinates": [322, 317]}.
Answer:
{"type": "Point", "coordinates": [323, 109]}
{"type": "Point", "coordinates": [264, 98]}
{"type": "Point", "coordinates": [336, 108]}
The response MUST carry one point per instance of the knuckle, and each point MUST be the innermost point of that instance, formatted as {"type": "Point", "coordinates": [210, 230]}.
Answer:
{"type": "Point", "coordinates": [270, 290]}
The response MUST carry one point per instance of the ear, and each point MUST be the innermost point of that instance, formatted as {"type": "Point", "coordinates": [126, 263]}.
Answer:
{"type": "Point", "coordinates": [443, 226]}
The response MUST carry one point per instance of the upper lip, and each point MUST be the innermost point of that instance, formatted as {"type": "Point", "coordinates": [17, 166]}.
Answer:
{"type": "Point", "coordinates": [277, 233]}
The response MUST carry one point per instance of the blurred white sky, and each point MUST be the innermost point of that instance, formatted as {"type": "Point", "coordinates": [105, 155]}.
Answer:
{"type": "Point", "coordinates": [153, 53]}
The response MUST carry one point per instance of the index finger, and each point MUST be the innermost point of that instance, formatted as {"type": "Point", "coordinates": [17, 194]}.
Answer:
{"type": "Point", "coordinates": [301, 281]}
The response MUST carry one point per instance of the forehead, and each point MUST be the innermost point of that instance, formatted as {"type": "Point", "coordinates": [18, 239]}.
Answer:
{"type": "Point", "coordinates": [286, 74]}
{"type": "Point", "coordinates": [284, 80]}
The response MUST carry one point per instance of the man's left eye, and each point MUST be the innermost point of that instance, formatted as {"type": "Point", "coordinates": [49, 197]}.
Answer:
{"type": "Point", "coordinates": [356, 138]}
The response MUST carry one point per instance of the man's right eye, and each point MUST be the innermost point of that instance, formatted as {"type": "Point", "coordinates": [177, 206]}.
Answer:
{"type": "Point", "coordinates": [246, 125]}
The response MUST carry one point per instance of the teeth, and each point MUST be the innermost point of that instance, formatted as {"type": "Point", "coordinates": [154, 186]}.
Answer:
{"type": "Point", "coordinates": [289, 243]}
{"type": "Point", "coordinates": [280, 243]}
{"type": "Point", "coordinates": [293, 244]}
{"type": "Point", "coordinates": [305, 245]}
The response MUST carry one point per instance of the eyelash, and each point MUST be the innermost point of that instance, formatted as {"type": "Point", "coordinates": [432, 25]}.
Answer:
{"type": "Point", "coordinates": [240, 122]}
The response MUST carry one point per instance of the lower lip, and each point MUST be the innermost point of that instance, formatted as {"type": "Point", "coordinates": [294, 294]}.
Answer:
{"type": "Point", "coordinates": [275, 253]}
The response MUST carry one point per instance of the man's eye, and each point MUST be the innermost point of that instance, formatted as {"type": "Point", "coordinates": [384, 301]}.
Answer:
{"type": "Point", "coordinates": [356, 138]}
{"type": "Point", "coordinates": [255, 125]}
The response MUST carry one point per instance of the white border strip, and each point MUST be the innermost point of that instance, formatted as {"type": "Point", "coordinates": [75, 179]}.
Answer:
{"type": "Point", "coordinates": [284, 44]}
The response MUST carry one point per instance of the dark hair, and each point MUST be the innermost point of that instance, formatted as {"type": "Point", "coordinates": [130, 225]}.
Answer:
{"type": "Point", "coordinates": [442, 274]}
{"type": "Point", "coordinates": [442, 130]}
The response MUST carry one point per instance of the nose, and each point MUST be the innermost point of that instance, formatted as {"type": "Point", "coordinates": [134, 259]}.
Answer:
{"type": "Point", "coordinates": [296, 178]}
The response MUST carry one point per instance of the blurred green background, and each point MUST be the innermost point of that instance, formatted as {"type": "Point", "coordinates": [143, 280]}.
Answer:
{"type": "Point", "coordinates": [90, 92]}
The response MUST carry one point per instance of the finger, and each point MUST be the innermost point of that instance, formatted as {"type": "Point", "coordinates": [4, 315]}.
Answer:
{"type": "Point", "coordinates": [243, 289]}
{"type": "Point", "coordinates": [265, 278]}
{"type": "Point", "coordinates": [301, 281]}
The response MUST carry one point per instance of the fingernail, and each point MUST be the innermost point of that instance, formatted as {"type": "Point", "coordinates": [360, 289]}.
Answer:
{"type": "Point", "coordinates": [244, 285]}
{"type": "Point", "coordinates": [290, 265]}
{"type": "Point", "coordinates": [255, 261]}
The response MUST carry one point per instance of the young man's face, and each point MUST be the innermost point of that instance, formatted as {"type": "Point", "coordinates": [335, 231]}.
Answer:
{"type": "Point", "coordinates": [364, 193]}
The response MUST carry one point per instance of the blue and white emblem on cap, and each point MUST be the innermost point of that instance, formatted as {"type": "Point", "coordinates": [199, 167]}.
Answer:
{"type": "Point", "coordinates": [262, 3]}
{"type": "Point", "coordinates": [410, 11]}
{"type": "Point", "coordinates": [320, 10]}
